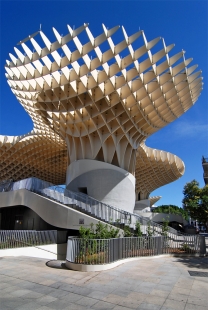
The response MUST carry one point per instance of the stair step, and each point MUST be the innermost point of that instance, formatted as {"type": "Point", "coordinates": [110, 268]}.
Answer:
{"type": "Point", "coordinates": [101, 212]}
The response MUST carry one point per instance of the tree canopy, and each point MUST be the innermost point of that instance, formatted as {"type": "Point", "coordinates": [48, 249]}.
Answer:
{"type": "Point", "coordinates": [171, 209]}
{"type": "Point", "coordinates": [195, 201]}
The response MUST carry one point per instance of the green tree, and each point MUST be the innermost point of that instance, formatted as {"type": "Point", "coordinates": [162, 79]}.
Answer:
{"type": "Point", "coordinates": [195, 201]}
{"type": "Point", "coordinates": [171, 209]}
{"type": "Point", "coordinates": [165, 227]}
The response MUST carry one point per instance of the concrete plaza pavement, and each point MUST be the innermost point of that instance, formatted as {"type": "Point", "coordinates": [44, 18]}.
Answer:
{"type": "Point", "coordinates": [150, 283]}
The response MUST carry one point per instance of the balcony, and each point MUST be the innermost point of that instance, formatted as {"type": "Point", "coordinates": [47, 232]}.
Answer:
{"type": "Point", "coordinates": [204, 160]}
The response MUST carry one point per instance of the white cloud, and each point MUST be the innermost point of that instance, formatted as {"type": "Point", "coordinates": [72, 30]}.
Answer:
{"type": "Point", "coordinates": [190, 129]}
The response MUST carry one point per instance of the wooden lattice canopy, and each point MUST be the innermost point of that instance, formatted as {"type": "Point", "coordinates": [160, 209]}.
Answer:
{"type": "Point", "coordinates": [97, 100]}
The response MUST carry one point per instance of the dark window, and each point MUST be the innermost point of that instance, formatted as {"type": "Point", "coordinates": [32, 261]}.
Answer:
{"type": "Point", "coordinates": [83, 190]}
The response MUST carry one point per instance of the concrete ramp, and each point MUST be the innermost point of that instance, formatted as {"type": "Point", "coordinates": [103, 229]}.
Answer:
{"type": "Point", "coordinates": [52, 212]}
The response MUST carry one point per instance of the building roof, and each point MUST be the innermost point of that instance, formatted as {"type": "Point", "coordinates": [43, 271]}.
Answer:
{"type": "Point", "coordinates": [99, 104]}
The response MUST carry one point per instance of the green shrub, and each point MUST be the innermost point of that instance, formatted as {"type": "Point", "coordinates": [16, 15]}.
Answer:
{"type": "Point", "coordinates": [185, 247]}
{"type": "Point", "coordinates": [150, 231]}
{"type": "Point", "coordinates": [127, 232]}
{"type": "Point", "coordinates": [101, 231]}
{"type": "Point", "coordinates": [138, 232]}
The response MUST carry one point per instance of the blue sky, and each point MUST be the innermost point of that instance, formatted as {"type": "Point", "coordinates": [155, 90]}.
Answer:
{"type": "Point", "coordinates": [184, 23]}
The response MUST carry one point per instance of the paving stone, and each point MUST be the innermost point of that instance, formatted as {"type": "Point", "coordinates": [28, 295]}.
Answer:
{"type": "Point", "coordinates": [33, 295]}
{"type": "Point", "coordinates": [68, 287]}
{"type": "Point", "coordinates": [45, 308]}
{"type": "Point", "coordinates": [141, 297]}
{"type": "Point", "coordinates": [168, 282]}
{"type": "Point", "coordinates": [28, 306]}
{"type": "Point", "coordinates": [121, 308]}
{"type": "Point", "coordinates": [98, 294]}
{"type": "Point", "coordinates": [4, 285]}
{"type": "Point", "coordinates": [69, 281]}
{"type": "Point", "coordinates": [106, 288]}
{"type": "Point", "coordinates": [58, 293]}
{"type": "Point", "coordinates": [11, 303]}
{"type": "Point", "coordinates": [102, 305]}
{"type": "Point", "coordinates": [199, 301]}
{"type": "Point", "coordinates": [183, 291]}
{"type": "Point", "coordinates": [178, 297]}
{"type": "Point", "coordinates": [58, 304]}
{"type": "Point", "coordinates": [197, 293]}
{"type": "Point", "coordinates": [21, 292]}
{"type": "Point", "coordinates": [176, 305]}
{"type": "Point", "coordinates": [143, 289]}
{"type": "Point", "coordinates": [86, 301]}
{"type": "Point", "coordinates": [114, 299]}
{"type": "Point", "coordinates": [148, 285]}
{"type": "Point", "coordinates": [152, 280]}
{"type": "Point", "coordinates": [47, 282]}
{"type": "Point", "coordinates": [43, 289]}
{"type": "Point", "coordinates": [131, 303]}
{"type": "Point", "coordinates": [162, 287]}
{"type": "Point", "coordinates": [27, 285]}
{"type": "Point", "coordinates": [72, 306]}
{"type": "Point", "coordinates": [194, 307]}
{"type": "Point", "coordinates": [57, 284]}
{"type": "Point", "coordinates": [81, 290]}
{"type": "Point", "coordinates": [4, 306]}
{"type": "Point", "coordinates": [121, 292]}
{"type": "Point", "coordinates": [134, 285]}
{"type": "Point", "coordinates": [71, 297]}
{"type": "Point", "coordinates": [160, 293]}
{"type": "Point", "coordinates": [148, 306]}
{"type": "Point", "coordinates": [46, 300]}
{"type": "Point", "coordinates": [156, 300]}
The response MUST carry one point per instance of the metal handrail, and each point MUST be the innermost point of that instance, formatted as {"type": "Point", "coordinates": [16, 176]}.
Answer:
{"type": "Point", "coordinates": [105, 251]}
{"type": "Point", "coordinates": [21, 238]}
{"type": "Point", "coordinates": [41, 187]}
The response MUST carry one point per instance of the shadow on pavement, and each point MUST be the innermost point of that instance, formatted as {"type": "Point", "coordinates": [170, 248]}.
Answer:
{"type": "Point", "coordinates": [193, 262]}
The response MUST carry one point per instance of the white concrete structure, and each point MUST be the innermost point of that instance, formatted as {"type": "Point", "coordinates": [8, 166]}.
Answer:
{"type": "Point", "coordinates": [52, 212]}
{"type": "Point", "coordinates": [95, 104]}
{"type": "Point", "coordinates": [105, 182]}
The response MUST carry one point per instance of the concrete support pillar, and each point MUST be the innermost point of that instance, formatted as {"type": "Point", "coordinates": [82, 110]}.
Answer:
{"type": "Point", "coordinates": [102, 181]}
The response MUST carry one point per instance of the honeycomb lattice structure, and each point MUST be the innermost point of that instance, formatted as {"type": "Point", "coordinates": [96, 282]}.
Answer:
{"type": "Point", "coordinates": [102, 101]}
{"type": "Point", "coordinates": [154, 199]}
{"type": "Point", "coordinates": [30, 155]}
{"type": "Point", "coordinates": [155, 168]}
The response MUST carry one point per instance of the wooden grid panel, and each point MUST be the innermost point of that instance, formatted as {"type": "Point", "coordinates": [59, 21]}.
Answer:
{"type": "Point", "coordinates": [103, 105]}
{"type": "Point", "coordinates": [33, 155]}
{"type": "Point", "coordinates": [155, 168]}
{"type": "Point", "coordinates": [154, 199]}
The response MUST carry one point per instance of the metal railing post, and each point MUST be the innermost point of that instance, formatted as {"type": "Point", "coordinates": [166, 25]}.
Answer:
{"type": "Point", "coordinates": [202, 250]}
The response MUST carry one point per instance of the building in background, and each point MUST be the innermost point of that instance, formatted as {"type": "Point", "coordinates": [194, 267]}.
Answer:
{"type": "Point", "coordinates": [205, 168]}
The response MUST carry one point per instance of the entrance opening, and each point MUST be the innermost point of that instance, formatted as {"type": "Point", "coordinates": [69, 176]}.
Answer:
{"type": "Point", "coordinates": [139, 196]}
{"type": "Point", "coordinates": [18, 224]}
{"type": "Point", "coordinates": [82, 190]}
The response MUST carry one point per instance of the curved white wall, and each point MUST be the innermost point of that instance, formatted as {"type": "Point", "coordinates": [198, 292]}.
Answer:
{"type": "Point", "coordinates": [50, 211]}
{"type": "Point", "coordinates": [104, 182]}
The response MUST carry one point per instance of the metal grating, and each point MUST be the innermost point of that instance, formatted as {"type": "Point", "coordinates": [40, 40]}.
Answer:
{"type": "Point", "coordinates": [198, 273]}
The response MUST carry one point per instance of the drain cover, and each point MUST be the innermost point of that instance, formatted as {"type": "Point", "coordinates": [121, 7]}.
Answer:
{"type": "Point", "coordinates": [198, 273]}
